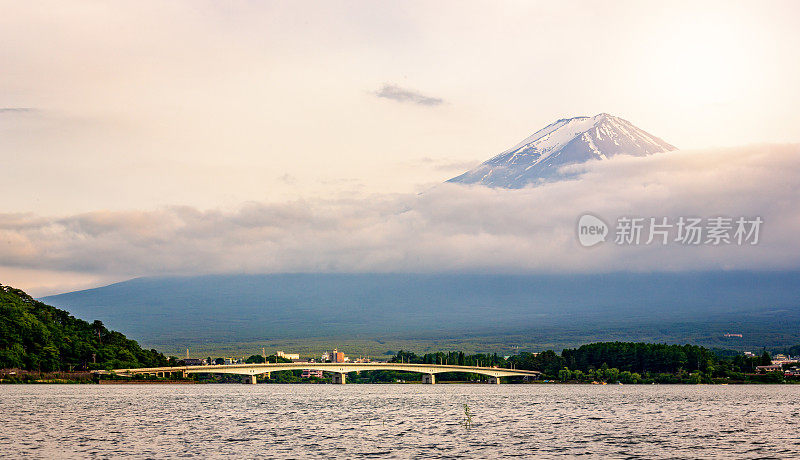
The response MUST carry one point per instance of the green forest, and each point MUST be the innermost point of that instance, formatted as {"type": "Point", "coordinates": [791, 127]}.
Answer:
{"type": "Point", "coordinates": [37, 337]}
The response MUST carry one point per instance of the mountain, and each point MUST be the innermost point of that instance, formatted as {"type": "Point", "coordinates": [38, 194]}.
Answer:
{"type": "Point", "coordinates": [35, 336]}
{"type": "Point", "coordinates": [567, 141]}
{"type": "Point", "coordinates": [552, 310]}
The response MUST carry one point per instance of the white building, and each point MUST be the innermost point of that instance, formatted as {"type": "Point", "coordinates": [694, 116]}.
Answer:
{"type": "Point", "coordinates": [292, 356]}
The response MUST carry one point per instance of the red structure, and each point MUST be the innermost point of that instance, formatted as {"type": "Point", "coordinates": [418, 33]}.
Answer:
{"type": "Point", "coordinates": [308, 373]}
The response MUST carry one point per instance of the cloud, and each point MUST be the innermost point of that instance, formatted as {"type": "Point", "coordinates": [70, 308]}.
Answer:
{"type": "Point", "coordinates": [13, 110]}
{"type": "Point", "coordinates": [288, 179]}
{"type": "Point", "coordinates": [396, 93]}
{"type": "Point", "coordinates": [451, 228]}
{"type": "Point", "coordinates": [441, 164]}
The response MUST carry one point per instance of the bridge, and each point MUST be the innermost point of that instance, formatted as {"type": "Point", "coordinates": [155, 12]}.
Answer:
{"type": "Point", "coordinates": [339, 370]}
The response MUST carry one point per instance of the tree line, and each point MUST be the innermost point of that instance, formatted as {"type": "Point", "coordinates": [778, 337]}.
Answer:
{"type": "Point", "coordinates": [623, 362]}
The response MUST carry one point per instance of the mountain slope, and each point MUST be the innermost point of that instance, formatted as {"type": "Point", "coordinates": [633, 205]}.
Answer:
{"type": "Point", "coordinates": [567, 141]}
{"type": "Point", "coordinates": [174, 313]}
{"type": "Point", "coordinates": [35, 336]}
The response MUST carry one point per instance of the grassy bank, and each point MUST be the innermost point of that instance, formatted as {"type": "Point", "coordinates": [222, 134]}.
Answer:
{"type": "Point", "coordinates": [11, 376]}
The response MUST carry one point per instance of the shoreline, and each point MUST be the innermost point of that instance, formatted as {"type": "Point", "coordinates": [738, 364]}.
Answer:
{"type": "Point", "coordinates": [195, 382]}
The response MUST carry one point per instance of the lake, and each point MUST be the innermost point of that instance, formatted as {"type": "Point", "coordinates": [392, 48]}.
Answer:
{"type": "Point", "coordinates": [404, 421]}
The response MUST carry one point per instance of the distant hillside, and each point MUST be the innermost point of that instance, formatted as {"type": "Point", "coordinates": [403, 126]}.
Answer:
{"type": "Point", "coordinates": [547, 310]}
{"type": "Point", "coordinates": [35, 336]}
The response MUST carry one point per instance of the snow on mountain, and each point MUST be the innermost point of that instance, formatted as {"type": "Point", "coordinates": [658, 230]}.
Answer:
{"type": "Point", "coordinates": [567, 141]}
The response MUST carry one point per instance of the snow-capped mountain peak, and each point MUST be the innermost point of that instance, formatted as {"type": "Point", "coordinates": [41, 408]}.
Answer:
{"type": "Point", "coordinates": [566, 141]}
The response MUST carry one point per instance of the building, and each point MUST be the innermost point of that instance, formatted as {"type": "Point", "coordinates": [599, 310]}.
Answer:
{"type": "Point", "coordinates": [770, 368]}
{"type": "Point", "coordinates": [783, 359]}
{"type": "Point", "coordinates": [337, 356]}
{"type": "Point", "coordinates": [308, 373]}
{"type": "Point", "coordinates": [194, 362]}
{"type": "Point", "coordinates": [291, 356]}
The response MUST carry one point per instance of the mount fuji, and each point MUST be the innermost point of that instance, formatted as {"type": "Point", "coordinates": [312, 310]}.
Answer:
{"type": "Point", "coordinates": [567, 141]}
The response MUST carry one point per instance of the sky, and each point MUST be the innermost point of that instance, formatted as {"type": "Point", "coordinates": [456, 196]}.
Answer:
{"type": "Point", "coordinates": [146, 138]}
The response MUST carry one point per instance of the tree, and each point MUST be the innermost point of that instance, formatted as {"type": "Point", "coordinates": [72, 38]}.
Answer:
{"type": "Point", "coordinates": [709, 367]}
{"type": "Point", "coordinates": [98, 328]}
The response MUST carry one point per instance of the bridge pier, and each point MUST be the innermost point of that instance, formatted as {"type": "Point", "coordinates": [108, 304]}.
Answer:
{"type": "Point", "coordinates": [494, 380]}
{"type": "Point", "coordinates": [338, 378]}
{"type": "Point", "coordinates": [250, 379]}
{"type": "Point", "coordinates": [428, 379]}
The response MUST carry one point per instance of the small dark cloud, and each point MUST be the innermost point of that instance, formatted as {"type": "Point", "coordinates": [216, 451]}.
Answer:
{"type": "Point", "coordinates": [288, 179]}
{"type": "Point", "coordinates": [399, 94]}
{"type": "Point", "coordinates": [16, 109]}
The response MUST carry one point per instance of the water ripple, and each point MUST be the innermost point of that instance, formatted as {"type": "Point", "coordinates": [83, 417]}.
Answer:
{"type": "Point", "coordinates": [399, 421]}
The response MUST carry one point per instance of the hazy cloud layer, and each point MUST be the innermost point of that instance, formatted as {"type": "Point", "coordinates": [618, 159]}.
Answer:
{"type": "Point", "coordinates": [450, 228]}
{"type": "Point", "coordinates": [399, 94]}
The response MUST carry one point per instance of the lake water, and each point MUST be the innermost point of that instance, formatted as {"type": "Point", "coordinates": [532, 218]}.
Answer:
{"type": "Point", "coordinates": [419, 421]}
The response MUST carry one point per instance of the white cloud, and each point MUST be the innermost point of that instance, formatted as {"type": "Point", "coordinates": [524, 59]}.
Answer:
{"type": "Point", "coordinates": [450, 228]}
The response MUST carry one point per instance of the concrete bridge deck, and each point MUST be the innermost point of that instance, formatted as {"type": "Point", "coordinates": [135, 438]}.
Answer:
{"type": "Point", "coordinates": [339, 370]}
